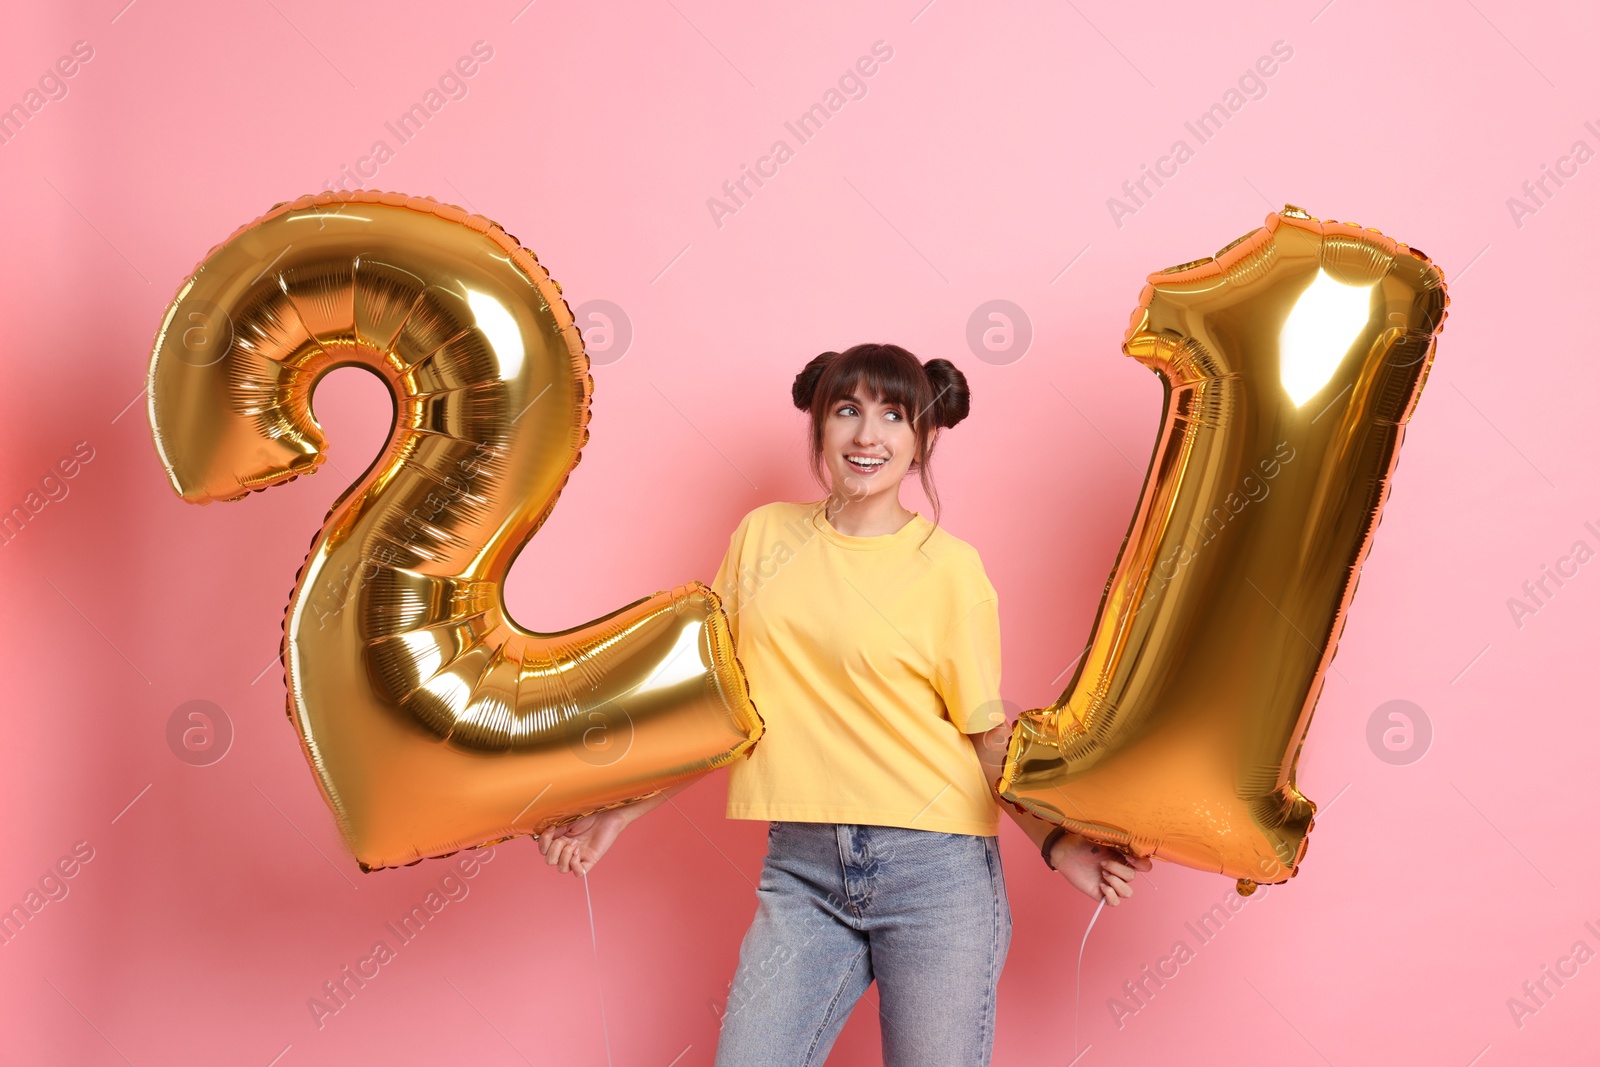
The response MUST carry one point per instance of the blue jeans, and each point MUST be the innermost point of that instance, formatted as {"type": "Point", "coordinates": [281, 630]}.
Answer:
{"type": "Point", "coordinates": [924, 913]}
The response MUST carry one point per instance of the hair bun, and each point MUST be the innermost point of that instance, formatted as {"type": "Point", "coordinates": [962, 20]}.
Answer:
{"type": "Point", "coordinates": [804, 390]}
{"type": "Point", "coordinates": [952, 400]}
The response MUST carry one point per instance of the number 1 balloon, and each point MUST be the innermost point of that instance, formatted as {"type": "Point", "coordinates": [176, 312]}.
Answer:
{"type": "Point", "coordinates": [432, 720]}
{"type": "Point", "coordinates": [1290, 364]}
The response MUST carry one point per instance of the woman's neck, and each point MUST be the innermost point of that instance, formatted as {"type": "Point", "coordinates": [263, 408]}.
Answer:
{"type": "Point", "coordinates": [881, 513]}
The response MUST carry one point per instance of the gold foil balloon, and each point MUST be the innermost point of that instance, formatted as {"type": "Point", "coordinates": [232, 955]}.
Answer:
{"type": "Point", "coordinates": [433, 721]}
{"type": "Point", "coordinates": [1290, 362]}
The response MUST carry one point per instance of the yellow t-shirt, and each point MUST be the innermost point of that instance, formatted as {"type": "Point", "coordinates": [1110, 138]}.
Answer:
{"type": "Point", "coordinates": [869, 659]}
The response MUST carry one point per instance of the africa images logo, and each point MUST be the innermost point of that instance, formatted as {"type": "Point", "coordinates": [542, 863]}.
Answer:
{"type": "Point", "coordinates": [851, 85]}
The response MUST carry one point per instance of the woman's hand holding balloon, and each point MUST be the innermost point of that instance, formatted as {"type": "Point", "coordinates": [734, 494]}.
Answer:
{"type": "Point", "coordinates": [1097, 870]}
{"type": "Point", "coordinates": [574, 847]}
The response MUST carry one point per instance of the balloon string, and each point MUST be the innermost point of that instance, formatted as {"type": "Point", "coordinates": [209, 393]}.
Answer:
{"type": "Point", "coordinates": [604, 1028]}
{"type": "Point", "coordinates": [1077, 996]}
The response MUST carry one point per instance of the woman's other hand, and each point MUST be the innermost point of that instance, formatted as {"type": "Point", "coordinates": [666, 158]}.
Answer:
{"type": "Point", "coordinates": [1099, 871]}
{"type": "Point", "coordinates": [574, 847]}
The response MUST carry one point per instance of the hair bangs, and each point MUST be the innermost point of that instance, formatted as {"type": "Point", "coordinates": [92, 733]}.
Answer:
{"type": "Point", "coordinates": [886, 378]}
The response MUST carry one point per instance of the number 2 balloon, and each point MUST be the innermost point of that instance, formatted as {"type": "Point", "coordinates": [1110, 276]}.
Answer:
{"type": "Point", "coordinates": [432, 720]}
{"type": "Point", "coordinates": [1290, 364]}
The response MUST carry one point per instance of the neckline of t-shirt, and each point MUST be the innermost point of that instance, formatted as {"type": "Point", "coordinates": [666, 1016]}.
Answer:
{"type": "Point", "coordinates": [819, 519]}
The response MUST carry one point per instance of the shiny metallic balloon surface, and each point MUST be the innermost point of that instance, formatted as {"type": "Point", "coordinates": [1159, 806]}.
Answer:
{"type": "Point", "coordinates": [432, 720]}
{"type": "Point", "coordinates": [1291, 362]}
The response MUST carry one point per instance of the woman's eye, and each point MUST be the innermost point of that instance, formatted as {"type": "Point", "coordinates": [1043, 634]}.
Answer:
{"type": "Point", "coordinates": [846, 410]}
{"type": "Point", "coordinates": [896, 414]}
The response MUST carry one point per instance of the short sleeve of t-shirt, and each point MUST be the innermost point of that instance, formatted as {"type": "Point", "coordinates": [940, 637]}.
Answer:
{"type": "Point", "coordinates": [967, 669]}
{"type": "Point", "coordinates": [726, 584]}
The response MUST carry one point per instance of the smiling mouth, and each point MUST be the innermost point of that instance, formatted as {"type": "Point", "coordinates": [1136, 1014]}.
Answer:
{"type": "Point", "coordinates": [866, 464]}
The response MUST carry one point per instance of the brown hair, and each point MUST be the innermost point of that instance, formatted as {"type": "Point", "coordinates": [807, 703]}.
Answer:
{"type": "Point", "coordinates": [935, 393]}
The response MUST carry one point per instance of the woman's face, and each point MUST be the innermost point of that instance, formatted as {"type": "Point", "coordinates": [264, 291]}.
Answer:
{"type": "Point", "coordinates": [868, 445]}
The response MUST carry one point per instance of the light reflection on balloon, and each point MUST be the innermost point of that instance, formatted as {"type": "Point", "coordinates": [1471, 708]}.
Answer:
{"type": "Point", "coordinates": [1320, 329]}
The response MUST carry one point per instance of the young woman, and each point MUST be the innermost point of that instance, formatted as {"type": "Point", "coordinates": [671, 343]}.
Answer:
{"type": "Point", "coordinates": [870, 639]}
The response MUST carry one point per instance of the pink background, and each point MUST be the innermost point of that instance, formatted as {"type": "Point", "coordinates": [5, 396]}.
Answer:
{"type": "Point", "coordinates": [977, 167]}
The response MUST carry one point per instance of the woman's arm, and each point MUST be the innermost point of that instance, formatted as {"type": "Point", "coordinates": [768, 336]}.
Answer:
{"type": "Point", "coordinates": [573, 847]}
{"type": "Point", "coordinates": [628, 813]}
{"type": "Point", "coordinates": [1097, 870]}
{"type": "Point", "coordinates": [991, 749]}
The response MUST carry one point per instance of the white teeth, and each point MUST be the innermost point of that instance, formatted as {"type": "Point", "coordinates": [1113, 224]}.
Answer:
{"type": "Point", "coordinates": [866, 461]}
